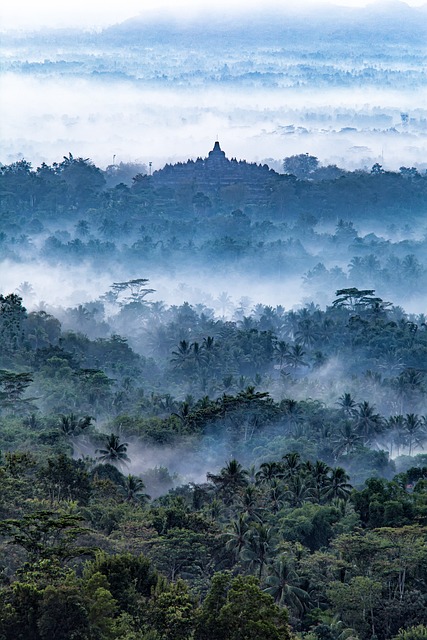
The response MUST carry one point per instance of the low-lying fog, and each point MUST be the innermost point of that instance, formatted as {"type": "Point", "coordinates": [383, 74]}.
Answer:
{"type": "Point", "coordinates": [65, 287]}
{"type": "Point", "coordinates": [60, 286]}
{"type": "Point", "coordinates": [269, 84]}
{"type": "Point", "coordinates": [47, 117]}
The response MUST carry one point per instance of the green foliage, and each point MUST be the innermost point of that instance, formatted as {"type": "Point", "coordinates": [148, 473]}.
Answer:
{"type": "Point", "coordinates": [301, 165]}
{"type": "Point", "coordinates": [19, 606]}
{"type": "Point", "coordinates": [311, 525]}
{"type": "Point", "coordinates": [356, 601]}
{"type": "Point", "coordinates": [413, 633]}
{"type": "Point", "coordinates": [114, 452]}
{"type": "Point", "coordinates": [65, 479]}
{"type": "Point", "coordinates": [237, 608]}
{"type": "Point", "coordinates": [63, 615]}
{"type": "Point", "coordinates": [172, 611]}
{"type": "Point", "coordinates": [46, 534]}
{"type": "Point", "coordinates": [101, 606]}
{"type": "Point", "coordinates": [288, 412]}
{"type": "Point", "coordinates": [129, 577]}
{"type": "Point", "coordinates": [384, 504]}
{"type": "Point", "coordinates": [12, 389]}
{"type": "Point", "coordinates": [12, 316]}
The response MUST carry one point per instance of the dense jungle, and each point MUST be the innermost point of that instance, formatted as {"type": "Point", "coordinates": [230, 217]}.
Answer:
{"type": "Point", "coordinates": [213, 400]}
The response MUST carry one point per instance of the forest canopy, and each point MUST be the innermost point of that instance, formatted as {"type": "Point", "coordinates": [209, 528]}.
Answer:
{"type": "Point", "coordinates": [219, 468]}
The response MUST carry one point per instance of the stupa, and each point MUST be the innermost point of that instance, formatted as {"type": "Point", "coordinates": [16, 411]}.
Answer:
{"type": "Point", "coordinates": [217, 155]}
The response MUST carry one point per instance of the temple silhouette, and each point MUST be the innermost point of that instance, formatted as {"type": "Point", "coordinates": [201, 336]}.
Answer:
{"type": "Point", "coordinates": [216, 178]}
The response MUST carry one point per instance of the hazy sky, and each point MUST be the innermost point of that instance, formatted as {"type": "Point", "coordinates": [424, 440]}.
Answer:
{"type": "Point", "coordinates": [25, 14]}
{"type": "Point", "coordinates": [45, 115]}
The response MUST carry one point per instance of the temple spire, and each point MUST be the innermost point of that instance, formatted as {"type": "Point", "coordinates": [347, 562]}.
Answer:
{"type": "Point", "coordinates": [217, 153]}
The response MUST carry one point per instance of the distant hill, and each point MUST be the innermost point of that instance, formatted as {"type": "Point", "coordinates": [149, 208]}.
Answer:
{"type": "Point", "coordinates": [392, 21]}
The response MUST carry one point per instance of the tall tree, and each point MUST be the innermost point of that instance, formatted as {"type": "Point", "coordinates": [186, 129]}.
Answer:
{"type": "Point", "coordinates": [115, 452]}
{"type": "Point", "coordinates": [230, 479]}
{"type": "Point", "coordinates": [283, 584]}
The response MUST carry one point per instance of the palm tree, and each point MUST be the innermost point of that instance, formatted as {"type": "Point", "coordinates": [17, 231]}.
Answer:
{"type": "Point", "coordinates": [369, 423]}
{"type": "Point", "coordinates": [299, 490]}
{"type": "Point", "coordinates": [168, 403]}
{"type": "Point", "coordinates": [182, 355]}
{"type": "Point", "coordinates": [68, 424]}
{"type": "Point", "coordinates": [114, 452]}
{"type": "Point", "coordinates": [108, 228]}
{"type": "Point", "coordinates": [157, 309]}
{"type": "Point", "coordinates": [249, 503]}
{"type": "Point", "coordinates": [199, 355]}
{"type": "Point", "coordinates": [371, 265]}
{"type": "Point", "coordinates": [291, 464]}
{"type": "Point", "coordinates": [133, 490]}
{"type": "Point", "coordinates": [230, 479]}
{"type": "Point", "coordinates": [347, 404]}
{"type": "Point", "coordinates": [281, 351]}
{"type": "Point", "coordinates": [409, 386]}
{"type": "Point", "coordinates": [247, 323]}
{"type": "Point", "coordinates": [73, 427]}
{"type": "Point", "coordinates": [214, 510]}
{"type": "Point", "coordinates": [268, 471]}
{"type": "Point", "coordinates": [282, 583]}
{"type": "Point", "coordinates": [82, 228]}
{"type": "Point", "coordinates": [337, 485]}
{"type": "Point", "coordinates": [184, 412]}
{"type": "Point", "coordinates": [391, 363]}
{"type": "Point", "coordinates": [295, 358]}
{"type": "Point", "coordinates": [395, 429]}
{"type": "Point", "coordinates": [224, 302]}
{"type": "Point", "coordinates": [260, 547]}
{"type": "Point", "coordinates": [32, 421]}
{"type": "Point", "coordinates": [276, 495]}
{"type": "Point", "coordinates": [334, 628]}
{"type": "Point", "coordinates": [293, 412]}
{"type": "Point", "coordinates": [245, 304]}
{"type": "Point", "coordinates": [238, 536]}
{"type": "Point", "coordinates": [319, 475]}
{"type": "Point", "coordinates": [252, 475]}
{"type": "Point", "coordinates": [414, 430]}
{"type": "Point", "coordinates": [328, 330]}
{"type": "Point", "coordinates": [290, 323]}
{"type": "Point", "coordinates": [258, 311]}
{"type": "Point", "coordinates": [25, 290]}
{"type": "Point", "coordinates": [210, 348]}
{"type": "Point", "coordinates": [308, 333]}
{"type": "Point", "coordinates": [346, 440]}
{"type": "Point", "coordinates": [412, 268]}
